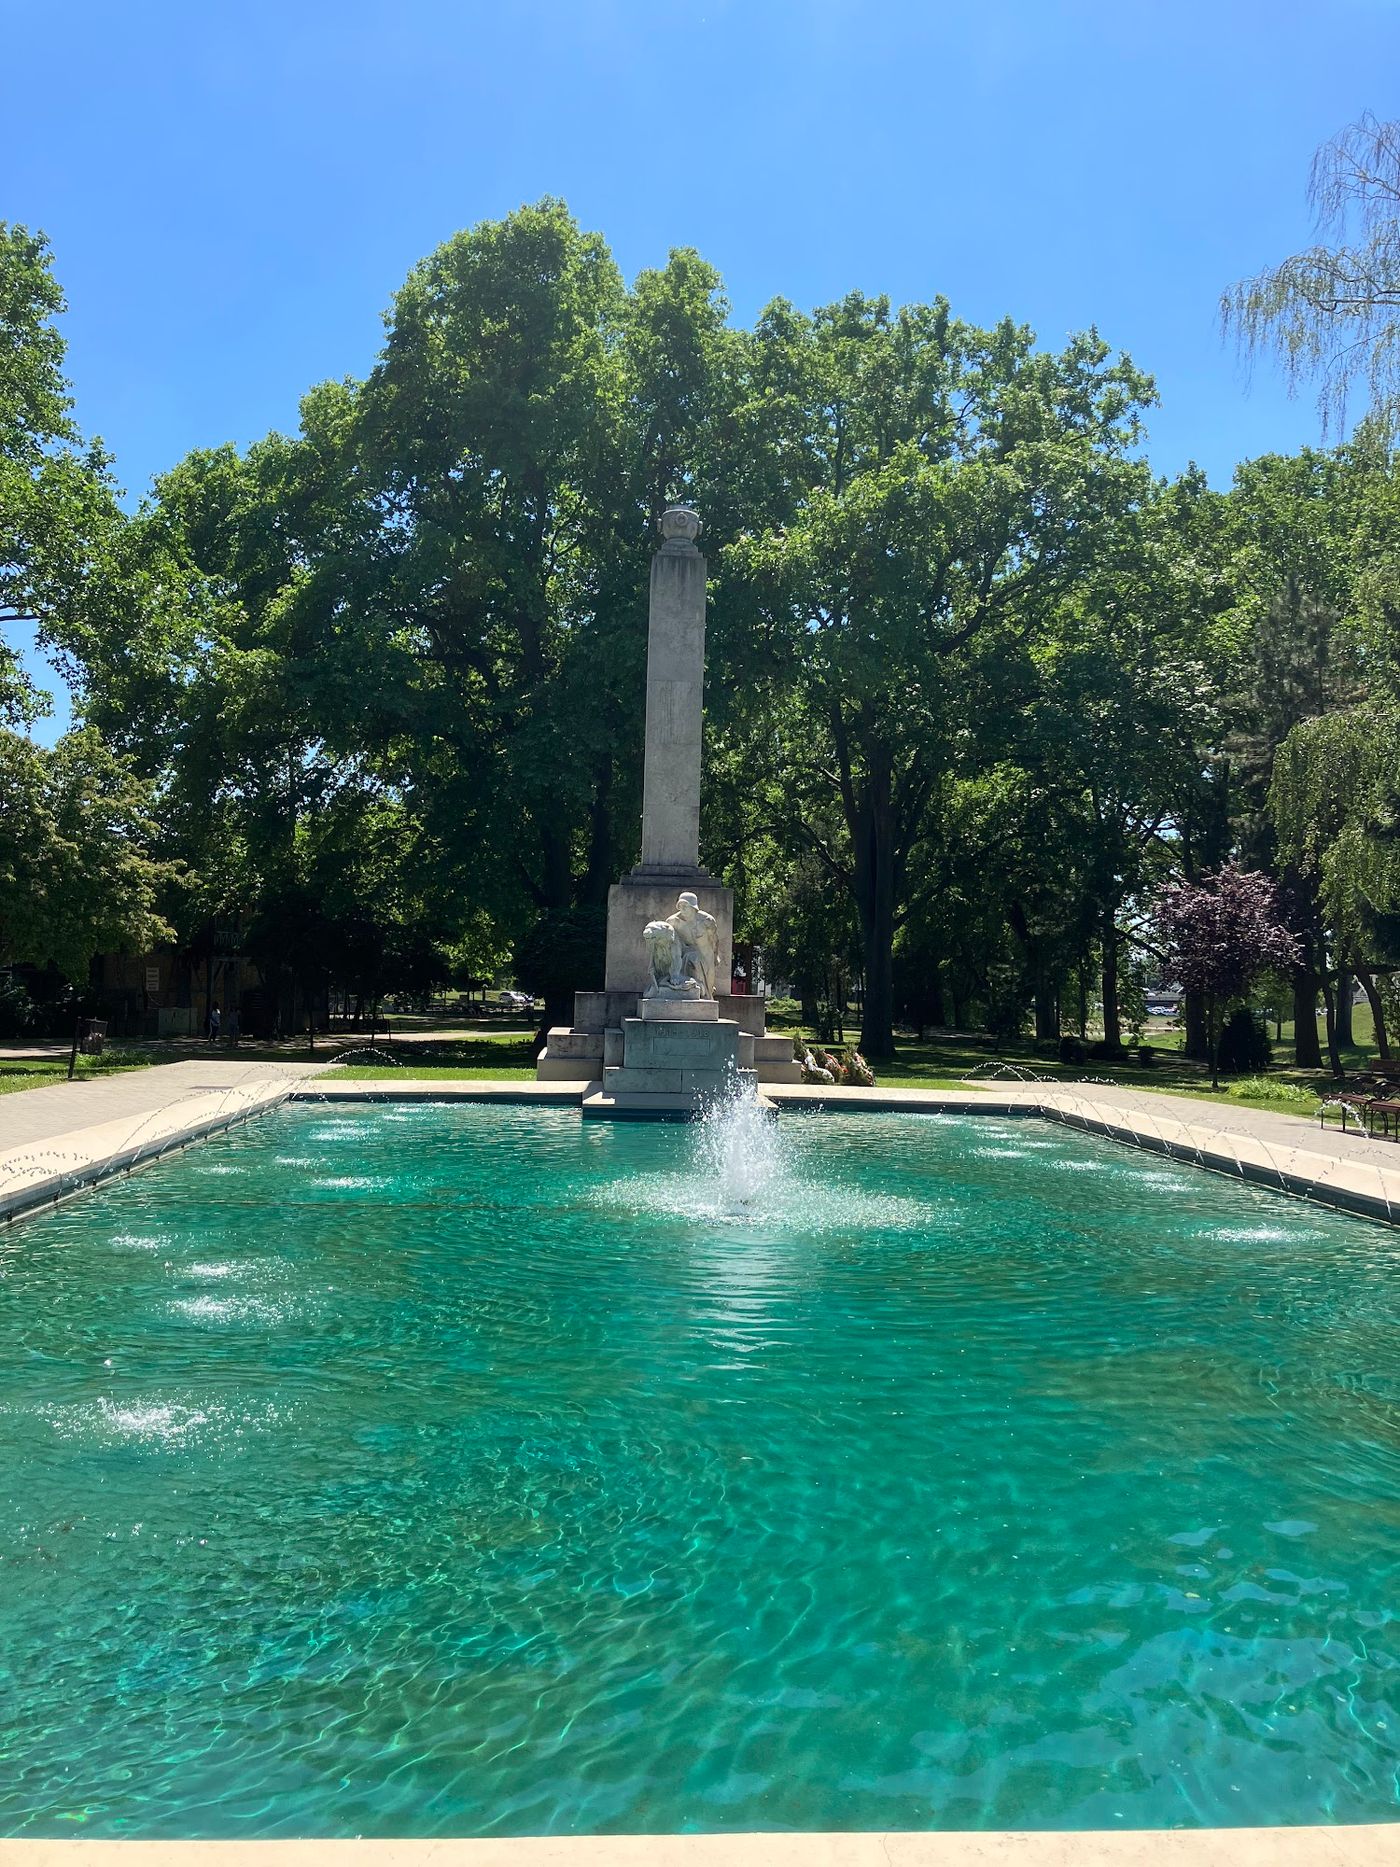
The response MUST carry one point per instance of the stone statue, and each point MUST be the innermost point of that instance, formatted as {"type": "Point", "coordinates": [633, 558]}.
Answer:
{"type": "Point", "coordinates": [663, 945]}
{"type": "Point", "coordinates": [684, 951]}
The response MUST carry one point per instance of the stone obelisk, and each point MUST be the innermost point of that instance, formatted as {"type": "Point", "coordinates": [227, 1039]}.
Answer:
{"type": "Point", "coordinates": [675, 700]}
{"type": "Point", "coordinates": [649, 1051]}
{"type": "Point", "coordinates": [675, 708]}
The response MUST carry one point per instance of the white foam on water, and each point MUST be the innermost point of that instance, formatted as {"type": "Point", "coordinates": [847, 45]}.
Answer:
{"type": "Point", "coordinates": [745, 1169]}
{"type": "Point", "coordinates": [151, 1421]}
{"type": "Point", "coordinates": [1257, 1235]}
{"type": "Point", "coordinates": [212, 1309]}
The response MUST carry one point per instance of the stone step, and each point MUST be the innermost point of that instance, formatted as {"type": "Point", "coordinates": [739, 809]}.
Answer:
{"type": "Point", "coordinates": [632, 1105]}
{"type": "Point", "coordinates": [566, 1069]}
{"type": "Point", "coordinates": [633, 1079]}
{"type": "Point", "coordinates": [565, 1041]}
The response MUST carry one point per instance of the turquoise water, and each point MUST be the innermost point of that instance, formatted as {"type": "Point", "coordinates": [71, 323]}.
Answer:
{"type": "Point", "coordinates": [434, 1471]}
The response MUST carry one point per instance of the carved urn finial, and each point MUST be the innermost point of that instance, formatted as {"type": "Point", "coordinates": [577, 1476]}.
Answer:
{"type": "Point", "coordinates": [680, 527]}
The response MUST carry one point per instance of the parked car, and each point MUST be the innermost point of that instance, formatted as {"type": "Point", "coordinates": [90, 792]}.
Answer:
{"type": "Point", "coordinates": [516, 1001]}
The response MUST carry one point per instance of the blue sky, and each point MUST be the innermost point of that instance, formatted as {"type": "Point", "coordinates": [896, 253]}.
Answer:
{"type": "Point", "coordinates": [234, 192]}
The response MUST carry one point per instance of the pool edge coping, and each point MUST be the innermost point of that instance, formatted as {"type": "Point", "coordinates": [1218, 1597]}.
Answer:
{"type": "Point", "coordinates": [1370, 1844]}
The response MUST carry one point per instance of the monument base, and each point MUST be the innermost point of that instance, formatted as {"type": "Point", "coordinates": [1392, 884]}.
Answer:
{"type": "Point", "coordinates": [663, 1010]}
{"type": "Point", "coordinates": [597, 1042]}
{"type": "Point", "coordinates": [677, 1064]}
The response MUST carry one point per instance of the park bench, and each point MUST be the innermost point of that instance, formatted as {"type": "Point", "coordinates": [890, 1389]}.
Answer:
{"type": "Point", "coordinates": [1373, 1100]}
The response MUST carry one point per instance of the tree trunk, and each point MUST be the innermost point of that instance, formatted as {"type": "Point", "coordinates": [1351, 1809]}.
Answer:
{"type": "Point", "coordinates": [1373, 999]}
{"type": "Point", "coordinates": [1307, 1053]}
{"type": "Point", "coordinates": [877, 1014]}
{"type": "Point", "coordinates": [875, 890]}
{"type": "Point", "coordinates": [1047, 1010]}
{"type": "Point", "coordinates": [1112, 1023]}
{"type": "Point", "coordinates": [937, 1015]}
{"type": "Point", "coordinates": [1344, 1000]}
{"type": "Point", "coordinates": [1329, 1000]}
{"type": "Point", "coordinates": [1197, 1040]}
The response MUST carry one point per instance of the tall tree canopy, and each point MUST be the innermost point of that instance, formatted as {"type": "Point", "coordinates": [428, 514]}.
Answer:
{"type": "Point", "coordinates": [931, 487]}
{"type": "Point", "coordinates": [76, 870]}
{"type": "Point", "coordinates": [978, 681]}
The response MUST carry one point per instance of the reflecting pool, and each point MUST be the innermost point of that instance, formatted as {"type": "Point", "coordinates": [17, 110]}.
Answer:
{"type": "Point", "coordinates": [431, 1470]}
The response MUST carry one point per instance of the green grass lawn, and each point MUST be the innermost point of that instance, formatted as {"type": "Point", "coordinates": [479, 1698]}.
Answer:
{"type": "Point", "coordinates": [470, 1059]}
{"type": "Point", "coordinates": [35, 1072]}
{"type": "Point", "coordinates": [937, 1063]}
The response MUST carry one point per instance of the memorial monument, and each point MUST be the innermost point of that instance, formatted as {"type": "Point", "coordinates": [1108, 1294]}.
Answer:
{"type": "Point", "coordinates": [666, 1028]}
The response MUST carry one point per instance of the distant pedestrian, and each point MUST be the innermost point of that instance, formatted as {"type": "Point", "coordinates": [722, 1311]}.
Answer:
{"type": "Point", "coordinates": [233, 1024]}
{"type": "Point", "coordinates": [213, 1026]}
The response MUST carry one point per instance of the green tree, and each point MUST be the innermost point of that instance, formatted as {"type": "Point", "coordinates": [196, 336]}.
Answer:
{"type": "Point", "coordinates": [1336, 804]}
{"type": "Point", "coordinates": [77, 876]}
{"type": "Point", "coordinates": [934, 483]}
{"type": "Point", "coordinates": [58, 510]}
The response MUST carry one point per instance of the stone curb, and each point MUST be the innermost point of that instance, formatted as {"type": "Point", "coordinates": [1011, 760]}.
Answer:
{"type": "Point", "coordinates": [1367, 1845]}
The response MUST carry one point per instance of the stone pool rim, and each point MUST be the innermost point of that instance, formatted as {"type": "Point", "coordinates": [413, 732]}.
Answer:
{"type": "Point", "coordinates": [1371, 1844]}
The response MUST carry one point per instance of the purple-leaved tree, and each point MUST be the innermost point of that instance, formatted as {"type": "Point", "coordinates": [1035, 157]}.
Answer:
{"type": "Point", "coordinates": [1221, 933]}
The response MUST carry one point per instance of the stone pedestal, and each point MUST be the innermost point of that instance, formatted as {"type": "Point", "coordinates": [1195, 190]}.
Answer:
{"type": "Point", "coordinates": [686, 1059]}
{"type": "Point", "coordinates": [678, 1010]}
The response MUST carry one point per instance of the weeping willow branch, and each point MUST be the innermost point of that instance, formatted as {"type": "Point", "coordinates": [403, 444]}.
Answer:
{"type": "Point", "coordinates": [1332, 313]}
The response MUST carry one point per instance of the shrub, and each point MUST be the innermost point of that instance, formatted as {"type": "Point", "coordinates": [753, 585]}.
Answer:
{"type": "Point", "coordinates": [16, 1007]}
{"type": "Point", "coordinates": [1073, 1050]}
{"type": "Point", "coordinates": [1244, 1044]}
{"type": "Point", "coordinates": [1104, 1052]}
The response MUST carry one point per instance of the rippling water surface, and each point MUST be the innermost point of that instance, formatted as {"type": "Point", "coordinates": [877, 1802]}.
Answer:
{"type": "Point", "coordinates": [433, 1471]}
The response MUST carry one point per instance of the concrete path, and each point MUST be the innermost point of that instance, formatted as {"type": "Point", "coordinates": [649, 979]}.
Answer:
{"type": "Point", "coordinates": [66, 1135]}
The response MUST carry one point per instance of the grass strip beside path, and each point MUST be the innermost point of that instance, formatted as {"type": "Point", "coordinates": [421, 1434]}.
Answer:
{"type": "Point", "coordinates": [36, 1072]}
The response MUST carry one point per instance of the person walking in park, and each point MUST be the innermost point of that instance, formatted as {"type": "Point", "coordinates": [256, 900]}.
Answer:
{"type": "Point", "coordinates": [212, 1029]}
{"type": "Point", "coordinates": [232, 1025]}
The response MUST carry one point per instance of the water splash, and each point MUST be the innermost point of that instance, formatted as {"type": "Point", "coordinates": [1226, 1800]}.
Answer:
{"type": "Point", "coordinates": [738, 1152]}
